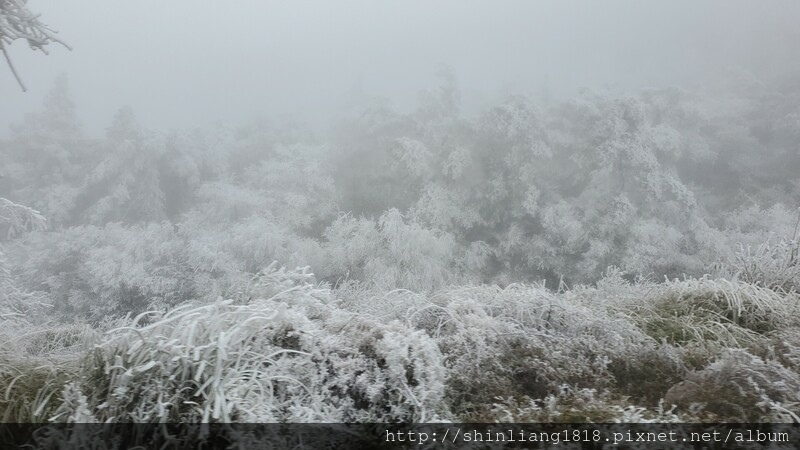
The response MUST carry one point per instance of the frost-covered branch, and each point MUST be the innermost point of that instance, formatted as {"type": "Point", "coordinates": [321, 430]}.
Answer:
{"type": "Point", "coordinates": [18, 218]}
{"type": "Point", "coordinates": [18, 22]}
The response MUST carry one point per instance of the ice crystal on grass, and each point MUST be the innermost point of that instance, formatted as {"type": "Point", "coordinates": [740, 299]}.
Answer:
{"type": "Point", "coordinates": [282, 353]}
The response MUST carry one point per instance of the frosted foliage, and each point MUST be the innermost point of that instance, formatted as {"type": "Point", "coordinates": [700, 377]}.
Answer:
{"type": "Point", "coordinates": [518, 123]}
{"type": "Point", "coordinates": [415, 156]}
{"type": "Point", "coordinates": [530, 202]}
{"type": "Point", "coordinates": [774, 265]}
{"type": "Point", "coordinates": [737, 379]}
{"type": "Point", "coordinates": [257, 242]}
{"type": "Point", "coordinates": [653, 243]}
{"type": "Point", "coordinates": [513, 341]}
{"type": "Point", "coordinates": [16, 218]}
{"type": "Point", "coordinates": [224, 202]}
{"type": "Point", "coordinates": [413, 256]}
{"type": "Point", "coordinates": [457, 162]}
{"type": "Point", "coordinates": [295, 187]}
{"type": "Point", "coordinates": [396, 252]}
{"type": "Point", "coordinates": [115, 269]}
{"type": "Point", "coordinates": [667, 141]}
{"type": "Point", "coordinates": [445, 209]}
{"type": "Point", "coordinates": [17, 304]}
{"type": "Point", "coordinates": [562, 224]}
{"type": "Point", "coordinates": [353, 242]}
{"type": "Point", "coordinates": [284, 355]}
{"type": "Point", "coordinates": [46, 169]}
{"type": "Point", "coordinates": [130, 175]}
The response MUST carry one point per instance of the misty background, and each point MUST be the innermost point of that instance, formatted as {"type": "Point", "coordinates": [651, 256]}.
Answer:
{"type": "Point", "coordinates": [187, 63]}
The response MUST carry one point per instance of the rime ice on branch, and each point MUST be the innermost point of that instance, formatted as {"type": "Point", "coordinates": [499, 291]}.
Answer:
{"type": "Point", "coordinates": [18, 22]}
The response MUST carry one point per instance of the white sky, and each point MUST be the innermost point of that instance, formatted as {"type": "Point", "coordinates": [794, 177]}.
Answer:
{"type": "Point", "coordinates": [184, 63]}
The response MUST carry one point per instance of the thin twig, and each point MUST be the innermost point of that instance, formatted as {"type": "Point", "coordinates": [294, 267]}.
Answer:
{"type": "Point", "coordinates": [13, 70]}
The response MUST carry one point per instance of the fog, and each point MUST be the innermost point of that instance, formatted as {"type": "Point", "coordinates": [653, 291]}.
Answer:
{"type": "Point", "coordinates": [186, 63]}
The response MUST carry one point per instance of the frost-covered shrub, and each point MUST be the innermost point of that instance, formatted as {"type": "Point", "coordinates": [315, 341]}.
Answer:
{"type": "Point", "coordinates": [517, 341]}
{"type": "Point", "coordinates": [693, 322]}
{"type": "Point", "coordinates": [575, 406]}
{"type": "Point", "coordinates": [285, 350]}
{"type": "Point", "coordinates": [396, 252]}
{"type": "Point", "coordinates": [252, 244]}
{"type": "Point", "coordinates": [761, 247]}
{"type": "Point", "coordinates": [15, 302]}
{"type": "Point", "coordinates": [740, 387]}
{"type": "Point", "coordinates": [773, 265]}
{"type": "Point", "coordinates": [645, 373]}
{"type": "Point", "coordinates": [358, 368]}
{"type": "Point", "coordinates": [708, 311]}
{"type": "Point", "coordinates": [784, 347]}
{"type": "Point", "coordinates": [296, 185]}
{"type": "Point", "coordinates": [282, 353]}
{"type": "Point", "coordinates": [90, 272]}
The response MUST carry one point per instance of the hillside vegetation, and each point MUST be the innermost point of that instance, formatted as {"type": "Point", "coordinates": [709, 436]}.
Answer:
{"type": "Point", "coordinates": [602, 259]}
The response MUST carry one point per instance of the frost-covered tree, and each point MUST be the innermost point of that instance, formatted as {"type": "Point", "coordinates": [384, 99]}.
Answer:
{"type": "Point", "coordinates": [92, 272]}
{"type": "Point", "coordinates": [398, 252]}
{"type": "Point", "coordinates": [631, 200]}
{"type": "Point", "coordinates": [125, 185]}
{"type": "Point", "coordinates": [47, 156]}
{"type": "Point", "coordinates": [296, 187]}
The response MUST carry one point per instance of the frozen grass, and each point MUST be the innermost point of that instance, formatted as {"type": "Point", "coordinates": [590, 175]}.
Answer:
{"type": "Point", "coordinates": [287, 350]}
{"type": "Point", "coordinates": [280, 353]}
{"type": "Point", "coordinates": [628, 343]}
{"type": "Point", "coordinates": [710, 311]}
{"type": "Point", "coordinates": [31, 389]}
{"type": "Point", "coordinates": [773, 265]}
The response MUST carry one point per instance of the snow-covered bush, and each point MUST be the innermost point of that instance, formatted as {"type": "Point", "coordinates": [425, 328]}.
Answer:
{"type": "Point", "coordinates": [762, 246]}
{"type": "Point", "coordinates": [282, 353]}
{"type": "Point", "coordinates": [740, 387]}
{"type": "Point", "coordinates": [518, 341]}
{"type": "Point", "coordinates": [773, 265]}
